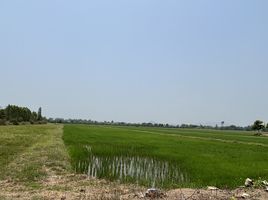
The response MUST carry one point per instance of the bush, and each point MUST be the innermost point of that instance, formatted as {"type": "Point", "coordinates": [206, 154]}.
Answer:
{"type": "Point", "coordinates": [25, 123]}
{"type": "Point", "coordinates": [2, 122]}
{"type": "Point", "coordinates": [14, 122]}
{"type": "Point", "coordinates": [258, 134]}
{"type": "Point", "coordinates": [42, 122]}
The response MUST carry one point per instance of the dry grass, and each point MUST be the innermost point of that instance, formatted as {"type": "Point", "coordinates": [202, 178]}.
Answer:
{"type": "Point", "coordinates": [33, 149]}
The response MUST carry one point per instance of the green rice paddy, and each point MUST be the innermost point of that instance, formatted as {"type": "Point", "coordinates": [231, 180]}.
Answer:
{"type": "Point", "coordinates": [167, 158]}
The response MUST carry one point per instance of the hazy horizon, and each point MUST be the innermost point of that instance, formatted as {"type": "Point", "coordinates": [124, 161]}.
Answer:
{"type": "Point", "coordinates": [199, 62]}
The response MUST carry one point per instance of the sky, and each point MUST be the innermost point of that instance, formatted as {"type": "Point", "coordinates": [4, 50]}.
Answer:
{"type": "Point", "coordinates": [172, 61]}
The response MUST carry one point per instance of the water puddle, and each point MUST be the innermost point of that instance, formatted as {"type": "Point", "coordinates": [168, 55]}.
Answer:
{"type": "Point", "coordinates": [141, 170]}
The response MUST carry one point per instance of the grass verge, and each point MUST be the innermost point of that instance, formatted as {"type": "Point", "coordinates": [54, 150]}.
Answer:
{"type": "Point", "coordinates": [29, 153]}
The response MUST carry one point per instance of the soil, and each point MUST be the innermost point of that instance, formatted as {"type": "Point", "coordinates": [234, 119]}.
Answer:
{"type": "Point", "coordinates": [73, 186]}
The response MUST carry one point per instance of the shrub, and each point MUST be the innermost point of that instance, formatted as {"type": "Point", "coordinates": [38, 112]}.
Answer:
{"type": "Point", "coordinates": [25, 123]}
{"type": "Point", "coordinates": [14, 122]}
{"type": "Point", "coordinates": [2, 122]}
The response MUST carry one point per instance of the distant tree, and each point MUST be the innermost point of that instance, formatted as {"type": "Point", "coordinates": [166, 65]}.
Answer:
{"type": "Point", "coordinates": [34, 116]}
{"type": "Point", "coordinates": [13, 113]}
{"type": "Point", "coordinates": [39, 114]}
{"type": "Point", "coordinates": [59, 120]}
{"type": "Point", "coordinates": [222, 123]}
{"type": "Point", "coordinates": [25, 114]}
{"type": "Point", "coordinates": [258, 125]}
{"type": "Point", "coordinates": [2, 114]}
{"type": "Point", "coordinates": [2, 117]}
{"type": "Point", "coordinates": [18, 115]}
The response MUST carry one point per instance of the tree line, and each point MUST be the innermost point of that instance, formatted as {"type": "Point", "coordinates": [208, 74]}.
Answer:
{"type": "Point", "coordinates": [258, 125]}
{"type": "Point", "coordinates": [16, 115]}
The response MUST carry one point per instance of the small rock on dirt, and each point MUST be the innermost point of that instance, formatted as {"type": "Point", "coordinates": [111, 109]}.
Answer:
{"type": "Point", "coordinates": [82, 190]}
{"type": "Point", "coordinates": [154, 193]}
{"type": "Point", "coordinates": [265, 183]}
{"type": "Point", "coordinates": [245, 195]}
{"type": "Point", "coordinates": [212, 188]}
{"type": "Point", "coordinates": [248, 182]}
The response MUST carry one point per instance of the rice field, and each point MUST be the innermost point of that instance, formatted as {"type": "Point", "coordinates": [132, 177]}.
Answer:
{"type": "Point", "coordinates": [167, 158]}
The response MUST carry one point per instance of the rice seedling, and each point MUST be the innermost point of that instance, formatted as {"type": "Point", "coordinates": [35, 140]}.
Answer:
{"type": "Point", "coordinates": [166, 158]}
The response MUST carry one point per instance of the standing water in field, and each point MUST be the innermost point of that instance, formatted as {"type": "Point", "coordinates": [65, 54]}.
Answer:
{"type": "Point", "coordinates": [141, 170]}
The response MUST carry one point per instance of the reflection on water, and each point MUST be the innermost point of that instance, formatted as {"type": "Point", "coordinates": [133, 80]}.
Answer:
{"type": "Point", "coordinates": [140, 170]}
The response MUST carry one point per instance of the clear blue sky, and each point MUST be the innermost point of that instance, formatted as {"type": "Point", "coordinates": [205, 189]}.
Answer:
{"type": "Point", "coordinates": [191, 61]}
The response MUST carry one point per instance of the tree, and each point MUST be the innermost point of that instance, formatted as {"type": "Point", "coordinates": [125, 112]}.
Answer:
{"type": "Point", "coordinates": [16, 115]}
{"type": "Point", "coordinates": [258, 125]}
{"type": "Point", "coordinates": [34, 116]}
{"type": "Point", "coordinates": [2, 117]}
{"type": "Point", "coordinates": [39, 115]}
{"type": "Point", "coordinates": [2, 114]}
{"type": "Point", "coordinates": [222, 123]}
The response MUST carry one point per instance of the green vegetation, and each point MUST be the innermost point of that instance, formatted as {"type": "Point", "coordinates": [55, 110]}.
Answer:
{"type": "Point", "coordinates": [28, 152]}
{"type": "Point", "coordinates": [207, 157]}
{"type": "Point", "coordinates": [258, 125]}
{"type": "Point", "coordinates": [160, 125]}
{"type": "Point", "coordinates": [20, 115]}
{"type": "Point", "coordinates": [179, 157]}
